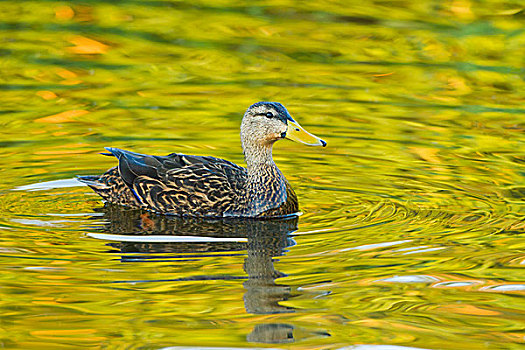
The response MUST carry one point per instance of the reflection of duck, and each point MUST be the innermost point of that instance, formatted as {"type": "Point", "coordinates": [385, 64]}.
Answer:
{"type": "Point", "coordinates": [276, 333]}
{"type": "Point", "coordinates": [206, 186]}
{"type": "Point", "coordinates": [138, 237]}
{"type": "Point", "coordinates": [195, 235]}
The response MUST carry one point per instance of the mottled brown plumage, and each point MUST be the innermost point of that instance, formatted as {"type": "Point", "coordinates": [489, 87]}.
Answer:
{"type": "Point", "coordinates": [187, 185]}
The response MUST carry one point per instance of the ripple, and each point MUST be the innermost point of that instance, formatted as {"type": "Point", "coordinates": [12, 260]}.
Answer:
{"type": "Point", "coordinates": [422, 249]}
{"type": "Point", "coordinates": [50, 185]}
{"type": "Point", "coordinates": [213, 348]}
{"type": "Point", "coordinates": [41, 223]}
{"type": "Point", "coordinates": [379, 347]}
{"type": "Point", "coordinates": [410, 279]}
{"type": "Point", "coordinates": [163, 239]}
{"type": "Point", "coordinates": [376, 245]}
{"type": "Point", "coordinates": [505, 288]}
{"type": "Point", "coordinates": [453, 284]}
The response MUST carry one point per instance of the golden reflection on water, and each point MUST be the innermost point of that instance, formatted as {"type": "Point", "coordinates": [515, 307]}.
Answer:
{"type": "Point", "coordinates": [411, 233]}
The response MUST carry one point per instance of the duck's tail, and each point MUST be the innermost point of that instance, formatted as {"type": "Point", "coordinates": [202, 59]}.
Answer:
{"type": "Point", "coordinates": [110, 187]}
{"type": "Point", "coordinates": [93, 181]}
{"type": "Point", "coordinates": [99, 184]}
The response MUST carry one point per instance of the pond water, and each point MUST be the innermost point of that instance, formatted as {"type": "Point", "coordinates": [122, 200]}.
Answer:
{"type": "Point", "coordinates": [413, 216]}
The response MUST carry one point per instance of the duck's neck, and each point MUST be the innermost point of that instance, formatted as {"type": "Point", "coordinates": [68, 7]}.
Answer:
{"type": "Point", "coordinates": [266, 185]}
{"type": "Point", "coordinates": [258, 158]}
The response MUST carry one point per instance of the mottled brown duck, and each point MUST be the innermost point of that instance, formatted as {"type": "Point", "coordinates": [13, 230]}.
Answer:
{"type": "Point", "coordinates": [186, 185]}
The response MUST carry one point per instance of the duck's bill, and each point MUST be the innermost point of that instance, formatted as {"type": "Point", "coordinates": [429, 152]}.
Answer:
{"type": "Point", "coordinates": [295, 132]}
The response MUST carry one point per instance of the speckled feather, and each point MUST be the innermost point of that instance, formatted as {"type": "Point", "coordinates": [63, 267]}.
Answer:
{"type": "Point", "coordinates": [187, 185]}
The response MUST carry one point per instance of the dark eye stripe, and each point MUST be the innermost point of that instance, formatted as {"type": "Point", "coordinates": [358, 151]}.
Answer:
{"type": "Point", "coordinates": [267, 114]}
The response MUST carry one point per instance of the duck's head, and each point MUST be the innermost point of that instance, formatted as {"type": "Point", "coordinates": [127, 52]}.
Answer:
{"type": "Point", "coordinates": [266, 122]}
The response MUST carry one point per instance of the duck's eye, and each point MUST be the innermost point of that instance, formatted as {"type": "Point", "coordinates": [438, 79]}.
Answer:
{"type": "Point", "coordinates": [269, 115]}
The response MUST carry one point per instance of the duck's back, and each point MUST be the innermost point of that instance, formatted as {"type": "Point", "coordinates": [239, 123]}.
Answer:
{"type": "Point", "coordinates": [176, 184]}
{"type": "Point", "coordinates": [187, 185]}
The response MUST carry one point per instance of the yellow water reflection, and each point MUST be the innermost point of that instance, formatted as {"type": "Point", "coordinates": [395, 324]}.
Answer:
{"type": "Point", "coordinates": [413, 214]}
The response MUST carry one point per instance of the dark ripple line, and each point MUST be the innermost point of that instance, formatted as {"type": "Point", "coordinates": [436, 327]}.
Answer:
{"type": "Point", "coordinates": [42, 87]}
{"type": "Point", "coordinates": [126, 260]}
{"type": "Point", "coordinates": [39, 258]}
{"type": "Point", "coordinates": [459, 66]}
{"type": "Point", "coordinates": [148, 257]}
{"type": "Point", "coordinates": [183, 279]}
{"type": "Point", "coordinates": [460, 107]}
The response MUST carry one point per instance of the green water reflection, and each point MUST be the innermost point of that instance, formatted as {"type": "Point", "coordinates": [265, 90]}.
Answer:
{"type": "Point", "coordinates": [413, 216]}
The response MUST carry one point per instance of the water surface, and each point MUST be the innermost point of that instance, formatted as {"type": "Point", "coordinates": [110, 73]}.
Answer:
{"type": "Point", "coordinates": [413, 215]}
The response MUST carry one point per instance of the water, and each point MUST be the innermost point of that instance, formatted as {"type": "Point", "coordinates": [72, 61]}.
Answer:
{"type": "Point", "coordinates": [413, 214]}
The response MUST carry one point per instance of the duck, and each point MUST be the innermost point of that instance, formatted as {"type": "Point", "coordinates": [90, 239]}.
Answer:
{"type": "Point", "coordinates": [205, 186]}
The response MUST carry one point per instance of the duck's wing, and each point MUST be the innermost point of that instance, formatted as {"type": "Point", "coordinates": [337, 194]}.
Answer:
{"type": "Point", "coordinates": [181, 184]}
